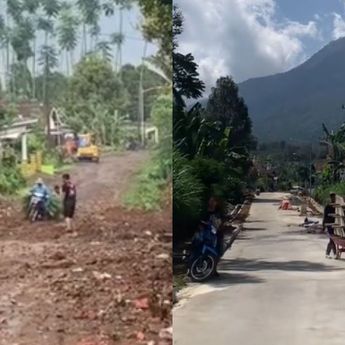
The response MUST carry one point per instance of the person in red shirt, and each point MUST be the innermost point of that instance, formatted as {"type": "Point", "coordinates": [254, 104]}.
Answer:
{"type": "Point", "coordinates": [69, 200]}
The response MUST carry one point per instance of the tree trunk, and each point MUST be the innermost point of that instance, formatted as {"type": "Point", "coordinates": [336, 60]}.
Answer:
{"type": "Point", "coordinates": [34, 70]}
{"type": "Point", "coordinates": [67, 63]}
{"type": "Point", "coordinates": [72, 60]}
{"type": "Point", "coordinates": [120, 45]}
{"type": "Point", "coordinates": [84, 48]}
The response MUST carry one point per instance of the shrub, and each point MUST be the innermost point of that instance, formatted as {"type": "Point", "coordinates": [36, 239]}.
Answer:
{"type": "Point", "coordinates": [11, 180]}
{"type": "Point", "coordinates": [147, 189]}
{"type": "Point", "coordinates": [321, 194]}
{"type": "Point", "coordinates": [188, 192]}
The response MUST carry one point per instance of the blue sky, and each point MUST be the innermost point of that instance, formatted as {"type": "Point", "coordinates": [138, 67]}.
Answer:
{"type": "Point", "coordinates": [252, 38]}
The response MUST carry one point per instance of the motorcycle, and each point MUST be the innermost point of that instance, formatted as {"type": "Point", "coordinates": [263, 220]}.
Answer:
{"type": "Point", "coordinates": [36, 208]}
{"type": "Point", "coordinates": [204, 255]}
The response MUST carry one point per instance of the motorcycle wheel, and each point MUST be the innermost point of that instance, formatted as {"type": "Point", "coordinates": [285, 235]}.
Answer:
{"type": "Point", "coordinates": [30, 212]}
{"type": "Point", "coordinates": [34, 216]}
{"type": "Point", "coordinates": [202, 268]}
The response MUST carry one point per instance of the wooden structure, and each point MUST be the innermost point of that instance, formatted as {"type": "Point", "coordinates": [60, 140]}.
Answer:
{"type": "Point", "coordinates": [18, 129]}
{"type": "Point", "coordinates": [58, 128]}
{"type": "Point", "coordinates": [339, 226]}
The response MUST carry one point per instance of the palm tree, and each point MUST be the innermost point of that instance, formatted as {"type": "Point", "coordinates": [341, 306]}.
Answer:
{"type": "Point", "coordinates": [90, 11]}
{"type": "Point", "coordinates": [125, 5]}
{"type": "Point", "coordinates": [32, 6]}
{"type": "Point", "coordinates": [103, 47]}
{"type": "Point", "coordinates": [67, 35]}
{"type": "Point", "coordinates": [335, 142]}
{"type": "Point", "coordinates": [15, 10]}
{"type": "Point", "coordinates": [22, 34]}
{"type": "Point", "coordinates": [48, 60]}
{"type": "Point", "coordinates": [51, 7]}
{"type": "Point", "coordinates": [3, 43]}
{"type": "Point", "coordinates": [117, 39]}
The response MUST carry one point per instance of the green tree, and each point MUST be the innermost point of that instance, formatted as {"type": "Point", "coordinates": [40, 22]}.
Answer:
{"type": "Point", "coordinates": [104, 48]}
{"type": "Point", "coordinates": [151, 81]}
{"type": "Point", "coordinates": [225, 105]}
{"type": "Point", "coordinates": [94, 77]}
{"type": "Point", "coordinates": [90, 11]}
{"type": "Point", "coordinates": [67, 35]}
{"type": "Point", "coordinates": [157, 27]}
{"type": "Point", "coordinates": [21, 80]}
{"type": "Point", "coordinates": [48, 60]}
{"type": "Point", "coordinates": [117, 39]}
{"type": "Point", "coordinates": [186, 82]}
{"type": "Point", "coordinates": [57, 87]}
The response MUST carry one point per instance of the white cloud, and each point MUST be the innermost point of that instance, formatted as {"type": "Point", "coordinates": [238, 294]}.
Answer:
{"type": "Point", "coordinates": [299, 30]}
{"type": "Point", "coordinates": [241, 38]}
{"type": "Point", "coordinates": [338, 26]}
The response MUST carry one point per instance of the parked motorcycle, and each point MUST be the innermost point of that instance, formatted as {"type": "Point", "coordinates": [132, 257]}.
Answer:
{"type": "Point", "coordinates": [36, 208]}
{"type": "Point", "coordinates": [204, 255]}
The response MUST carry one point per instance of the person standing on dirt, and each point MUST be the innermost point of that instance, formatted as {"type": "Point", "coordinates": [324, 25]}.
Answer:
{"type": "Point", "coordinates": [69, 200]}
{"type": "Point", "coordinates": [328, 218]}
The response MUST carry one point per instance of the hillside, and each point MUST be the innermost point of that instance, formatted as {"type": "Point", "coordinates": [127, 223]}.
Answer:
{"type": "Point", "coordinates": [293, 105]}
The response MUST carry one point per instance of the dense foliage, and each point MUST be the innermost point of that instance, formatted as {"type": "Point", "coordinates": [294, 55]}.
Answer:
{"type": "Point", "coordinates": [211, 144]}
{"type": "Point", "coordinates": [54, 53]}
{"type": "Point", "coordinates": [333, 175]}
{"type": "Point", "coordinates": [154, 182]}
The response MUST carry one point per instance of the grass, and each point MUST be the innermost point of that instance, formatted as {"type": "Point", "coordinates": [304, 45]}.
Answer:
{"type": "Point", "coordinates": [148, 189]}
{"type": "Point", "coordinates": [63, 168]}
{"type": "Point", "coordinates": [321, 193]}
{"type": "Point", "coordinates": [179, 281]}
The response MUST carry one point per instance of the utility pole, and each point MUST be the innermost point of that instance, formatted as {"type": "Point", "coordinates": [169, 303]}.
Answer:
{"type": "Point", "coordinates": [141, 115]}
{"type": "Point", "coordinates": [141, 103]}
{"type": "Point", "coordinates": [46, 102]}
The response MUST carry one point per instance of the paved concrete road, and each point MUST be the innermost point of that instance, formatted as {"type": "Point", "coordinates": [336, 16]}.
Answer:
{"type": "Point", "coordinates": [276, 288]}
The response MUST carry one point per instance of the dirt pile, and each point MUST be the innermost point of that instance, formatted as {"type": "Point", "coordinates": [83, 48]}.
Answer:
{"type": "Point", "coordinates": [110, 280]}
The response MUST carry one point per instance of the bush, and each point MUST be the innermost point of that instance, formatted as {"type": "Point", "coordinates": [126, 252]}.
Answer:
{"type": "Point", "coordinates": [150, 186]}
{"type": "Point", "coordinates": [148, 189]}
{"type": "Point", "coordinates": [188, 201]}
{"type": "Point", "coordinates": [321, 194]}
{"type": "Point", "coordinates": [53, 157]}
{"type": "Point", "coordinates": [11, 180]}
{"type": "Point", "coordinates": [217, 180]}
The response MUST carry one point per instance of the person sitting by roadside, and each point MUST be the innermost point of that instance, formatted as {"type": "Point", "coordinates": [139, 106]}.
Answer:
{"type": "Point", "coordinates": [328, 220]}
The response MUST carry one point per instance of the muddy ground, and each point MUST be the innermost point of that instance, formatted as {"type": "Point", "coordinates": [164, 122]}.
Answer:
{"type": "Point", "coordinates": [107, 283]}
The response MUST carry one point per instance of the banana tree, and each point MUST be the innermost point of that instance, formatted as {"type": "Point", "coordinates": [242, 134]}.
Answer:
{"type": "Point", "coordinates": [335, 143]}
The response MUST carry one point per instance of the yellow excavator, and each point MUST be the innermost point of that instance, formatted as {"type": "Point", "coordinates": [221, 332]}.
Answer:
{"type": "Point", "coordinates": [87, 148]}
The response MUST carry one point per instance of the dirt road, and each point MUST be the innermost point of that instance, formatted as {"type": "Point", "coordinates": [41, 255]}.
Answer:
{"type": "Point", "coordinates": [107, 283]}
{"type": "Point", "coordinates": [275, 287]}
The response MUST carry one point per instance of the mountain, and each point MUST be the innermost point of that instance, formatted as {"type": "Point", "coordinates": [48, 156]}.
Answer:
{"type": "Point", "coordinates": [294, 104]}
